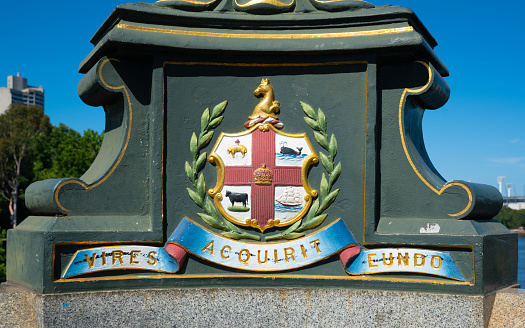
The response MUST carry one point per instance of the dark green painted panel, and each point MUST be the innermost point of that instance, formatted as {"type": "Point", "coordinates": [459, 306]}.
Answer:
{"type": "Point", "coordinates": [155, 69]}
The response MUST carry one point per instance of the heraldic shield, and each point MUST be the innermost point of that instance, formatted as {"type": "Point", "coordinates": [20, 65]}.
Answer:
{"type": "Point", "coordinates": [262, 182]}
{"type": "Point", "coordinates": [262, 176]}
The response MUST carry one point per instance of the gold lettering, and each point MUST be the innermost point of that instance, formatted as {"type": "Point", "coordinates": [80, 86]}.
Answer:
{"type": "Point", "coordinates": [303, 250]}
{"type": "Point", "coordinates": [91, 262]}
{"type": "Point", "coordinates": [209, 248]}
{"type": "Point", "coordinates": [151, 258]}
{"type": "Point", "coordinates": [265, 257]}
{"type": "Point", "coordinates": [103, 258]}
{"type": "Point", "coordinates": [404, 258]}
{"type": "Point", "coordinates": [370, 265]}
{"type": "Point", "coordinates": [117, 255]}
{"type": "Point", "coordinates": [275, 256]}
{"type": "Point", "coordinates": [286, 254]}
{"type": "Point", "coordinates": [439, 262]}
{"type": "Point", "coordinates": [222, 252]}
{"type": "Point", "coordinates": [316, 244]}
{"type": "Point", "coordinates": [247, 256]}
{"type": "Point", "coordinates": [388, 265]}
{"type": "Point", "coordinates": [133, 256]}
{"type": "Point", "coordinates": [419, 265]}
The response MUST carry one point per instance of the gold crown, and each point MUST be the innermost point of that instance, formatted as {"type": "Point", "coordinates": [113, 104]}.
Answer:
{"type": "Point", "coordinates": [263, 176]}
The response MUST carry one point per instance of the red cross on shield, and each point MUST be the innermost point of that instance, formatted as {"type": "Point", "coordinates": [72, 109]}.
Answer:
{"type": "Point", "coordinates": [262, 176]}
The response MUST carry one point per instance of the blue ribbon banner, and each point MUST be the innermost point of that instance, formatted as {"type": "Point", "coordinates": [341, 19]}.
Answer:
{"type": "Point", "coordinates": [121, 258]}
{"type": "Point", "coordinates": [266, 257]}
{"type": "Point", "coordinates": [410, 260]}
{"type": "Point", "coordinates": [213, 247]}
{"type": "Point", "coordinates": [262, 256]}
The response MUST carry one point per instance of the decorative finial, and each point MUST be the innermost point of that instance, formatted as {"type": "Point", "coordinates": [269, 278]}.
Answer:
{"type": "Point", "coordinates": [267, 109]}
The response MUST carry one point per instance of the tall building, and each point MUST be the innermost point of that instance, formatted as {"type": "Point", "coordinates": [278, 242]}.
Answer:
{"type": "Point", "coordinates": [19, 92]}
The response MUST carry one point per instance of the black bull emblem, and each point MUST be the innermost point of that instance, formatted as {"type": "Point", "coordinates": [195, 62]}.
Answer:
{"type": "Point", "coordinates": [237, 197]}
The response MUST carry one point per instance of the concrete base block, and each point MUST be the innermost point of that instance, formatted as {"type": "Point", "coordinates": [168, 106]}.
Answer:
{"type": "Point", "coordinates": [278, 307]}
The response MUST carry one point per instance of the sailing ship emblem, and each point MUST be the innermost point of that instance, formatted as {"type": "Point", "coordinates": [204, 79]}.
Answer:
{"type": "Point", "coordinates": [272, 175]}
{"type": "Point", "coordinates": [290, 198]}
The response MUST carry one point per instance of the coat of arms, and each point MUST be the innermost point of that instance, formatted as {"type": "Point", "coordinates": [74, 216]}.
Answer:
{"type": "Point", "coordinates": [262, 172]}
{"type": "Point", "coordinates": [262, 183]}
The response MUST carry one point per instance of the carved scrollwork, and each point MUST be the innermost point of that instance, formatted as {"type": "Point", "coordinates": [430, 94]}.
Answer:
{"type": "Point", "coordinates": [340, 5]}
{"type": "Point", "coordinates": [264, 6]}
{"type": "Point", "coordinates": [189, 5]}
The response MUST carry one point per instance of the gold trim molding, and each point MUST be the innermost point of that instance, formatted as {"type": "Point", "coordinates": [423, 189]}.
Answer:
{"type": "Point", "coordinates": [106, 176]}
{"type": "Point", "coordinates": [385, 31]}
{"type": "Point", "coordinates": [410, 92]}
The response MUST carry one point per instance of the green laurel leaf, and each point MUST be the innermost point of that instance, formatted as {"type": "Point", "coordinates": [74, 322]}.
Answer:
{"type": "Point", "coordinates": [314, 222]}
{"type": "Point", "coordinates": [189, 172]}
{"type": "Point", "coordinates": [292, 235]}
{"type": "Point", "coordinates": [194, 149]}
{"type": "Point", "coordinates": [235, 235]}
{"type": "Point", "coordinates": [204, 119]}
{"type": "Point", "coordinates": [210, 209]}
{"type": "Point", "coordinates": [205, 139]}
{"type": "Point", "coordinates": [199, 164]}
{"type": "Point", "coordinates": [288, 233]}
{"type": "Point", "coordinates": [312, 123]}
{"type": "Point", "coordinates": [211, 221]}
{"type": "Point", "coordinates": [313, 209]}
{"type": "Point", "coordinates": [194, 197]}
{"type": "Point", "coordinates": [232, 226]}
{"type": "Point", "coordinates": [308, 110]}
{"type": "Point", "coordinates": [327, 201]}
{"type": "Point", "coordinates": [231, 234]}
{"type": "Point", "coordinates": [201, 187]}
{"type": "Point", "coordinates": [293, 227]}
{"type": "Point", "coordinates": [321, 139]}
{"type": "Point", "coordinates": [218, 110]}
{"type": "Point", "coordinates": [335, 174]}
{"type": "Point", "coordinates": [215, 122]}
{"type": "Point", "coordinates": [324, 186]}
{"type": "Point", "coordinates": [250, 236]}
{"type": "Point", "coordinates": [274, 237]}
{"type": "Point", "coordinates": [332, 147]}
{"type": "Point", "coordinates": [321, 119]}
{"type": "Point", "coordinates": [327, 163]}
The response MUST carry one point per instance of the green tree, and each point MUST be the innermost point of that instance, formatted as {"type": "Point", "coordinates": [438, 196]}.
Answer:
{"type": "Point", "coordinates": [36, 154]}
{"type": "Point", "coordinates": [511, 218]}
{"type": "Point", "coordinates": [64, 153]}
{"type": "Point", "coordinates": [19, 126]}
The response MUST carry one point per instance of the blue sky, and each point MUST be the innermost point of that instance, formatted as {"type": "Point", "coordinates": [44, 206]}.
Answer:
{"type": "Point", "coordinates": [477, 136]}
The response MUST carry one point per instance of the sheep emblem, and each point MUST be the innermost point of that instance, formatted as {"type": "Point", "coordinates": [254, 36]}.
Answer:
{"type": "Point", "coordinates": [237, 148]}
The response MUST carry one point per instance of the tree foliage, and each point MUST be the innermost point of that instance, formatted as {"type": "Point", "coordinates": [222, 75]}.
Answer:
{"type": "Point", "coordinates": [31, 149]}
{"type": "Point", "coordinates": [65, 153]}
{"type": "Point", "coordinates": [19, 126]}
{"type": "Point", "coordinates": [511, 218]}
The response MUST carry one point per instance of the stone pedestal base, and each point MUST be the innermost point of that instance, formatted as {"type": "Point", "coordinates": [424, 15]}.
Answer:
{"type": "Point", "coordinates": [260, 308]}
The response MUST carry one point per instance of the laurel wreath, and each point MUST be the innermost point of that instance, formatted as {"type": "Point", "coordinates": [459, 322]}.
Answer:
{"type": "Point", "coordinates": [210, 215]}
{"type": "Point", "coordinates": [314, 217]}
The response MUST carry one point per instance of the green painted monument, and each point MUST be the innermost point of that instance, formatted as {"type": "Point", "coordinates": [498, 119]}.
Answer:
{"type": "Point", "coordinates": [262, 144]}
